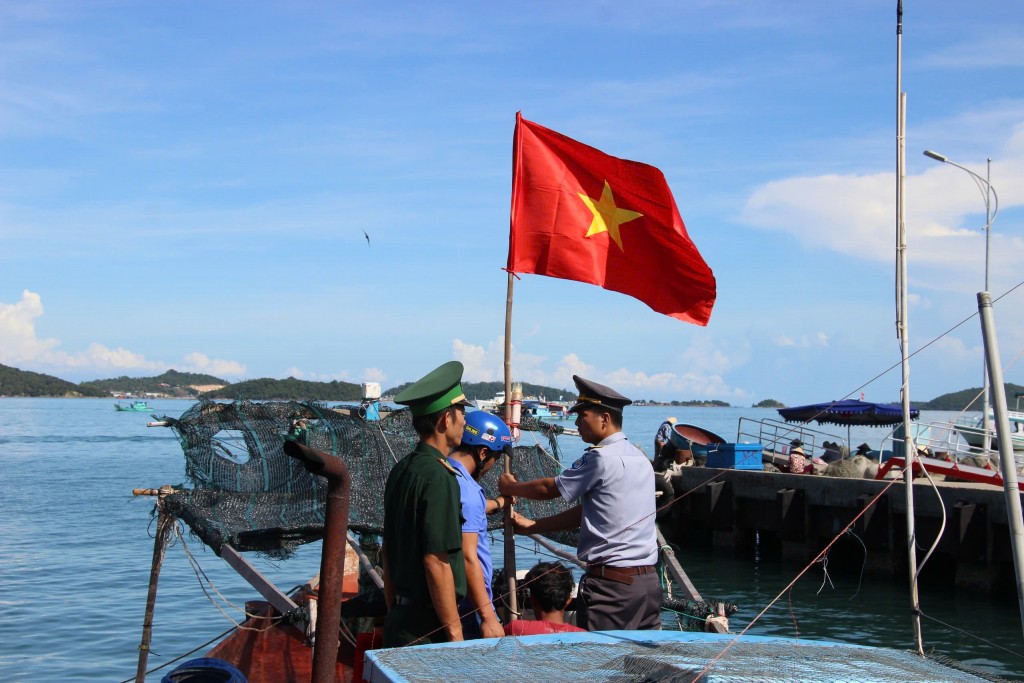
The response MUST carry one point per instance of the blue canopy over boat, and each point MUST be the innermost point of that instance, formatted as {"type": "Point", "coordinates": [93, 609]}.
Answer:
{"type": "Point", "coordinates": [848, 412]}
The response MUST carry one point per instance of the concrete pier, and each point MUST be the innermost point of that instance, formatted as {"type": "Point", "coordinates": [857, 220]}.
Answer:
{"type": "Point", "coordinates": [791, 518]}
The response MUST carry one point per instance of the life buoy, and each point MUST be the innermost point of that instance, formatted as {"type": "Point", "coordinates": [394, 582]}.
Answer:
{"type": "Point", "coordinates": [205, 670]}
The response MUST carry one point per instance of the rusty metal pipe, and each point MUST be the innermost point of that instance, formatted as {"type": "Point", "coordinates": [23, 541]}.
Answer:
{"type": "Point", "coordinates": [332, 556]}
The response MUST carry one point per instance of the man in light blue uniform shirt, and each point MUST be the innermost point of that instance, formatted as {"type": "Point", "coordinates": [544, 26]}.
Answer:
{"type": "Point", "coordinates": [614, 483]}
{"type": "Point", "coordinates": [484, 438]}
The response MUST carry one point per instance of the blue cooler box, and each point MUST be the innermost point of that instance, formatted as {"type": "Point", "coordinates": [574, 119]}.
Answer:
{"type": "Point", "coordinates": [735, 456]}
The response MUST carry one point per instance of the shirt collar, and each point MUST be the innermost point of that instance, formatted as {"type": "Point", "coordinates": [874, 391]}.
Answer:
{"type": "Point", "coordinates": [609, 440]}
{"type": "Point", "coordinates": [459, 466]}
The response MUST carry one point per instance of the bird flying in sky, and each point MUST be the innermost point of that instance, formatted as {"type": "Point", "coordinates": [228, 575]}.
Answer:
{"type": "Point", "coordinates": [367, 238]}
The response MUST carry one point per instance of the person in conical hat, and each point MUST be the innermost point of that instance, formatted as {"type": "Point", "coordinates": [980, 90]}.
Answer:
{"type": "Point", "coordinates": [797, 459]}
{"type": "Point", "coordinates": [613, 482]}
{"type": "Point", "coordinates": [424, 570]}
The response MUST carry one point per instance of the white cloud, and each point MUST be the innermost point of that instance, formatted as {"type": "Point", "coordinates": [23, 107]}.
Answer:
{"type": "Point", "coordinates": [374, 375]}
{"type": "Point", "coordinates": [198, 362]}
{"type": "Point", "coordinates": [998, 48]}
{"type": "Point", "coordinates": [18, 341]}
{"type": "Point", "coordinates": [487, 364]}
{"type": "Point", "coordinates": [945, 215]}
{"type": "Point", "coordinates": [342, 376]}
{"type": "Point", "coordinates": [702, 380]}
{"type": "Point", "coordinates": [20, 347]}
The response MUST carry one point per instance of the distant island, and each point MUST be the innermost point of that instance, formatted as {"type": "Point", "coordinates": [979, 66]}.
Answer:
{"type": "Point", "coordinates": [769, 403]}
{"type": "Point", "coordinates": [175, 384]}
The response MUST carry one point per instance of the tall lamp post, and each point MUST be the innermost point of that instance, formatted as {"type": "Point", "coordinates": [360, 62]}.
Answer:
{"type": "Point", "coordinates": [991, 210]}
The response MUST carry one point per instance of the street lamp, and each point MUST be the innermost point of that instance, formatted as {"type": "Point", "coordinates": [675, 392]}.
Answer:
{"type": "Point", "coordinates": [991, 210]}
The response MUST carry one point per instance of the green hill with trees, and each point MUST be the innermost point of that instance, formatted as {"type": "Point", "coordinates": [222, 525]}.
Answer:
{"type": "Point", "coordinates": [15, 382]}
{"type": "Point", "coordinates": [171, 383]}
{"type": "Point", "coordinates": [958, 400]}
{"type": "Point", "coordinates": [769, 403]}
{"type": "Point", "coordinates": [268, 389]}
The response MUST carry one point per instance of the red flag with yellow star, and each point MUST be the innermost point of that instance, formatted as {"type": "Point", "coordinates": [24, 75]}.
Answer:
{"type": "Point", "coordinates": [580, 214]}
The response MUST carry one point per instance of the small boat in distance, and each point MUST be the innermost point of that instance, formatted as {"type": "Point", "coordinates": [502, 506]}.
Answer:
{"type": "Point", "coordinates": [133, 407]}
{"type": "Point", "coordinates": [492, 405]}
{"type": "Point", "coordinates": [972, 429]}
{"type": "Point", "coordinates": [543, 410]}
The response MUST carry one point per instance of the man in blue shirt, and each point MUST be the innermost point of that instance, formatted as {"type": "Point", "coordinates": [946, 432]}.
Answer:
{"type": "Point", "coordinates": [484, 438]}
{"type": "Point", "coordinates": [614, 484]}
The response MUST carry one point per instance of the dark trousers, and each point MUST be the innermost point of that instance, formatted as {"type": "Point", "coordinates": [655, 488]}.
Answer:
{"type": "Point", "coordinates": [604, 604]}
{"type": "Point", "coordinates": [406, 624]}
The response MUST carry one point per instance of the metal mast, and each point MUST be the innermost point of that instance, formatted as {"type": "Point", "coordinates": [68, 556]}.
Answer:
{"type": "Point", "coordinates": [909, 450]}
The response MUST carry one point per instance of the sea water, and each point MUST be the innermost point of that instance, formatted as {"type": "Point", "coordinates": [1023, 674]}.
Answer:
{"type": "Point", "coordinates": [76, 549]}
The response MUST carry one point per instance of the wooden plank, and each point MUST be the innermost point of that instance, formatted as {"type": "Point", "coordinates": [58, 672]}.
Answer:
{"type": "Point", "coordinates": [271, 593]}
{"type": "Point", "coordinates": [674, 568]}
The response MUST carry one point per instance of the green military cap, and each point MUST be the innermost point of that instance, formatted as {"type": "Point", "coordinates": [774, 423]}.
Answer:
{"type": "Point", "coordinates": [439, 389]}
{"type": "Point", "coordinates": [594, 395]}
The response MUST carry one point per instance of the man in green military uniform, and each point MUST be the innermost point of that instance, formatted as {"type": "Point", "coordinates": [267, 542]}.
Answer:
{"type": "Point", "coordinates": [424, 573]}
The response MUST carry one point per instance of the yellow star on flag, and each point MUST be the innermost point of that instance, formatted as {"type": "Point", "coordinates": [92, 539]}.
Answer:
{"type": "Point", "coordinates": [607, 216]}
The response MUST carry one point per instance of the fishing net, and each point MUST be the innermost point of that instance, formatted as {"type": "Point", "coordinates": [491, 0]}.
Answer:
{"type": "Point", "coordinates": [623, 656]}
{"type": "Point", "coordinates": [246, 492]}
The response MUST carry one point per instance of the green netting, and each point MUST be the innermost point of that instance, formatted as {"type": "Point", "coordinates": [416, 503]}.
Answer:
{"type": "Point", "coordinates": [249, 494]}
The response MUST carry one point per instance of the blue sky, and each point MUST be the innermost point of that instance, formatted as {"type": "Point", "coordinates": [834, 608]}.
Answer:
{"type": "Point", "coordinates": [187, 184]}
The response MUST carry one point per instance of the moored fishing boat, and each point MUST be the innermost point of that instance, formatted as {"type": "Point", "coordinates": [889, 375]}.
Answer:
{"type": "Point", "coordinates": [972, 429]}
{"type": "Point", "coordinates": [249, 496]}
{"type": "Point", "coordinates": [133, 407]}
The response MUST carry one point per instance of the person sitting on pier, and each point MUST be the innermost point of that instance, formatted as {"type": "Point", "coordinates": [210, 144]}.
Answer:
{"type": "Point", "coordinates": [832, 453]}
{"type": "Point", "coordinates": [550, 588]}
{"type": "Point", "coordinates": [798, 460]}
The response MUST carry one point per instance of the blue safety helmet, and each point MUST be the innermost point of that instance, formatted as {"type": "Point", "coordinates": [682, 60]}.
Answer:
{"type": "Point", "coordinates": [485, 429]}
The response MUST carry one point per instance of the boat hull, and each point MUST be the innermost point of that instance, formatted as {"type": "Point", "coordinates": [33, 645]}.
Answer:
{"type": "Point", "coordinates": [975, 438]}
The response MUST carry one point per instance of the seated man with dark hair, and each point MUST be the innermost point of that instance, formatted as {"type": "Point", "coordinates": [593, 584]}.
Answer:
{"type": "Point", "coordinates": [550, 586]}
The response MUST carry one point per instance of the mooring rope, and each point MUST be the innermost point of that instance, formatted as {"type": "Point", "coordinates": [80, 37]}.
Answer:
{"type": "Point", "coordinates": [790, 585]}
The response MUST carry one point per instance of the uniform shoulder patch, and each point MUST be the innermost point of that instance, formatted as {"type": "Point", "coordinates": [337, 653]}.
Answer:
{"type": "Point", "coordinates": [579, 463]}
{"type": "Point", "coordinates": [448, 466]}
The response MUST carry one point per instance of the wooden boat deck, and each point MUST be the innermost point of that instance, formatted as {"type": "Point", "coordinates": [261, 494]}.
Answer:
{"type": "Point", "coordinates": [270, 652]}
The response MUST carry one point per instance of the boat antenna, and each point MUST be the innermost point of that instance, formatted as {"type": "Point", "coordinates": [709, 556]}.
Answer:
{"type": "Point", "coordinates": [909, 451]}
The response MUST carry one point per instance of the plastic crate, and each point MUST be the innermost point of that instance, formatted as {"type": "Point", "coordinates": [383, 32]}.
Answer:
{"type": "Point", "coordinates": [735, 456]}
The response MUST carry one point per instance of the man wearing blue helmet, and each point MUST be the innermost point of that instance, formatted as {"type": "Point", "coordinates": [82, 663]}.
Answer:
{"type": "Point", "coordinates": [484, 438]}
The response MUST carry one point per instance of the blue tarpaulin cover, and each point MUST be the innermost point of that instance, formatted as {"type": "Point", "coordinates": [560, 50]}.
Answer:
{"type": "Point", "coordinates": [848, 412]}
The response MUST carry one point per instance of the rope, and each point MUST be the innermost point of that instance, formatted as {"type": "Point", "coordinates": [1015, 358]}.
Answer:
{"type": "Point", "coordinates": [180, 657]}
{"type": "Point", "coordinates": [201, 576]}
{"type": "Point", "coordinates": [790, 585]}
{"type": "Point", "coordinates": [973, 635]}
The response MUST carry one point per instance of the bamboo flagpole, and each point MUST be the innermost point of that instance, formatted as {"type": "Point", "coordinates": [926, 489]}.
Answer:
{"type": "Point", "coordinates": [510, 540]}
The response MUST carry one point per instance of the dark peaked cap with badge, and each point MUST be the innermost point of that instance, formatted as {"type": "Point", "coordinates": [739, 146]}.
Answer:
{"type": "Point", "coordinates": [439, 389]}
{"type": "Point", "coordinates": [594, 395]}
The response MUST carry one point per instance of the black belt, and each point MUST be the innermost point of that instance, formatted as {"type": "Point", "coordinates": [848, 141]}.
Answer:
{"type": "Point", "coordinates": [621, 574]}
{"type": "Point", "coordinates": [403, 601]}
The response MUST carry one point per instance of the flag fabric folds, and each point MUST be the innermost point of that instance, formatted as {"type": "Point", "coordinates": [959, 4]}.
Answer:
{"type": "Point", "coordinates": [580, 214]}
